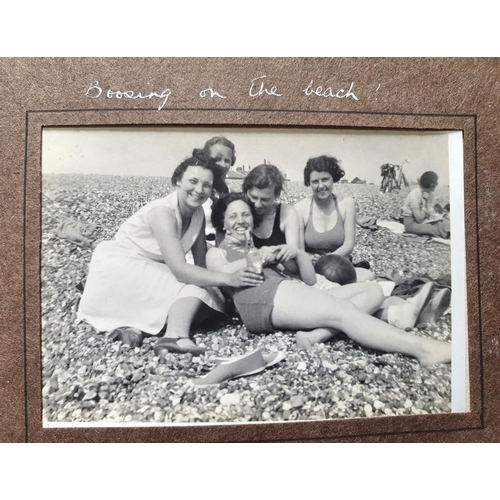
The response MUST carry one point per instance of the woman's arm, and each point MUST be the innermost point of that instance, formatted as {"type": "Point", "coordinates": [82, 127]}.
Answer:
{"type": "Point", "coordinates": [216, 261]}
{"type": "Point", "coordinates": [291, 226]}
{"type": "Point", "coordinates": [293, 237]}
{"type": "Point", "coordinates": [301, 210]}
{"type": "Point", "coordinates": [164, 226]}
{"type": "Point", "coordinates": [297, 261]}
{"type": "Point", "coordinates": [417, 205]}
{"type": "Point", "coordinates": [349, 217]}
{"type": "Point", "coordinates": [306, 268]}
{"type": "Point", "coordinates": [199, 249]}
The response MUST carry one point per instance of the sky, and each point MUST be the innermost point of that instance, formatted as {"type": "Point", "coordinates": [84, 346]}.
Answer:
{"type": "Point", "coordinates": [156, 151]}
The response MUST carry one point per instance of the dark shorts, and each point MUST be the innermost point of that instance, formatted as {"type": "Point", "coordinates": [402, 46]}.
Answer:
{"type": "Point", "coordinates": [255, 305]}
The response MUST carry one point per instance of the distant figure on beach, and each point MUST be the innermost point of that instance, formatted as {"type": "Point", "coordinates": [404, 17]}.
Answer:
{"type": "Point", "coordinates": [328, 220]}
{"type": "Point", "coordinates": [419, 214]}
{"type": "Point", "coordinates": [140, 283]}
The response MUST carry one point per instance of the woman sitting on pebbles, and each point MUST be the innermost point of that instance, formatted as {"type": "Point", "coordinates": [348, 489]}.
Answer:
{"type": "Point", "coordinates": [141, 281]}
{"type": "Point", "coordinates": [328, 220]}
{"type": "Point", "coordinates": [280, 303]}
{"type": "Point", "coordinates": [419, 216]}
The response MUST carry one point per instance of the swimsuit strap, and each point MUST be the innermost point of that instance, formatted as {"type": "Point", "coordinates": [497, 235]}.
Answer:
{"type": "Point", "coordinates": [336, 207]}
{"type": "Point", "coordinates": [277, 220]}
{"type": "Point", "coordinates": [277, 237]}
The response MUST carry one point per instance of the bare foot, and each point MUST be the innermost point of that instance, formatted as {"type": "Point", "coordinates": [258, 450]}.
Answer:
{"type": "Point", "coordinates": [405, 316]}
{"type": "Point", "coordinates": [434, 352]}
{"type": "Point", "coordinates": [306, 339]}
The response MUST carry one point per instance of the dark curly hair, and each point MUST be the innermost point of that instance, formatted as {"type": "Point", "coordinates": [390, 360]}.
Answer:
{"type": "Point", "coordinates": [220, 206]}
{"type": "Point", "coordinates": [428, 180]}
{"type": "Point", "coordinates": [200, 159]}
{"type": "Point", "coordinates": [323, 164]}
{"type": "Point", "coordinates": [219, 139]}
{"type": "Point", "coordinates": [264, 176]}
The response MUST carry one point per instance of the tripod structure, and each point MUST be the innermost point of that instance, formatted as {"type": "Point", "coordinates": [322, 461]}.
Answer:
{"type": "Point", "coordinates": [393, 177]}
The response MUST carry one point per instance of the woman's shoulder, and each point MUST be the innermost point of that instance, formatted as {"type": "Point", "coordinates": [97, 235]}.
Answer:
{"type": "Point", "coordinates": [346, 201]}
{"type": "Point", "coordinates": [168, 201]}
{"type": "Point", "coordinates": [160, 205]}
{"type": "Point", "coordinates": [287, 211]}
{"type": "Point", "coordinates": [303, 204]}
{"type": "Point", "coordinates": [414, 195]}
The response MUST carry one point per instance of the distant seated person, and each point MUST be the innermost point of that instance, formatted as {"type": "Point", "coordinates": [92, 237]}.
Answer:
{"type": "Point", "coordinates": [419, 215]}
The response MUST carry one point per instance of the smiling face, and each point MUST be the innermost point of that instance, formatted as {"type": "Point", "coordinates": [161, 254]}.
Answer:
{"type": "Point", "coordinates": [264, 200]}
{"type": "Point", "coordinates": [321, 184]}
{"type": "Point", "coordinates": [222, 155]}
{"type": "Point", "coordinates": [238, 219]}
{"type": "Point", "coordinates": [195, 186]}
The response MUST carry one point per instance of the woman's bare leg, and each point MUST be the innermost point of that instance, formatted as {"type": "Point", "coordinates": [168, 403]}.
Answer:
{"type": "Point", "coordinates": [306, 339]}
{"type": "Point", "coordinates": [299, 308]}
{"type": "Point", "coordinates": [368, 297]}
{"type": "Point", "coordinates": [382, 313]}
{"type": "Point", "coordinates": [180, 317]}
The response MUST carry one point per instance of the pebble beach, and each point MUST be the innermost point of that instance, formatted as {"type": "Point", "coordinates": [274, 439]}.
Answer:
{"type": "Point", "coordinates": [88, 378]}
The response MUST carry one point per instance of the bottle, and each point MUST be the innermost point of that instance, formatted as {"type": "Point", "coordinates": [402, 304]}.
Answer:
{"type": "Point", "coordinates": [254, 260]}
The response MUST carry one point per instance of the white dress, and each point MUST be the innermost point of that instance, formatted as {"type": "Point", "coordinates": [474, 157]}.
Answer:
{"type": "Point", "coordinates": [129, 283]}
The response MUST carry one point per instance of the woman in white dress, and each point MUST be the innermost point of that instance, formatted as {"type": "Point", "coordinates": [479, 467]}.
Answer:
{"type": "Point", "coordinates": [141, 281]}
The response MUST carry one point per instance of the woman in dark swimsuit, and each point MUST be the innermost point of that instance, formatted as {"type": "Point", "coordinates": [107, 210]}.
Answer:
{"type": "Point", "coordinates": [279, 222]}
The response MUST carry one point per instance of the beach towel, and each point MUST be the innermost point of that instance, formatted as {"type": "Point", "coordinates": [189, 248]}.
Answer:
{"type": "Point", "coordinates": [392, 225]}
{"type": "Point", "coordinates": [398, 228]}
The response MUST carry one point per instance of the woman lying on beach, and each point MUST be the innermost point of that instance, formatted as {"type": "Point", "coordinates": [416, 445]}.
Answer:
{"type": "Point", "coordinates": [328, 220]}
{"type": "Point", "coordinates": [280, 303]}
{"type": "Point", "coordinates": [140, 281]}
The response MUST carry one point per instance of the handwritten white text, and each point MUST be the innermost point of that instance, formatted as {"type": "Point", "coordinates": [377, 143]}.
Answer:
{"type": "Point", "coordinates": [95, 91]}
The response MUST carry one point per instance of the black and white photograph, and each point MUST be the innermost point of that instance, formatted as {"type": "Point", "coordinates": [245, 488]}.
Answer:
{"type": "Point", "coordinates": [216, 275]}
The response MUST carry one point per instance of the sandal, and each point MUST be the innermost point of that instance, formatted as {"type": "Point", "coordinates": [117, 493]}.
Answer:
{"type": "Point", "coordinates": [127, 335]}
{"type": "Point", "coordinates": [245, 365]}
{"type": "Point", "coordinates": [172, 345]}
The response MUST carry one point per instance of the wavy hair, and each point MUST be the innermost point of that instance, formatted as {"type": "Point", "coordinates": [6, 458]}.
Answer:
{"type": "Point", "coordinates": [220, 206]}
{"type": "Point", "coordinates": [263, 177]}
{"type": "Point", "coordinates": [200, 159]}
{"type": "Point", "coordinates": [323, 163]}
{"type": "Point", "coordinates": [219, 139]}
